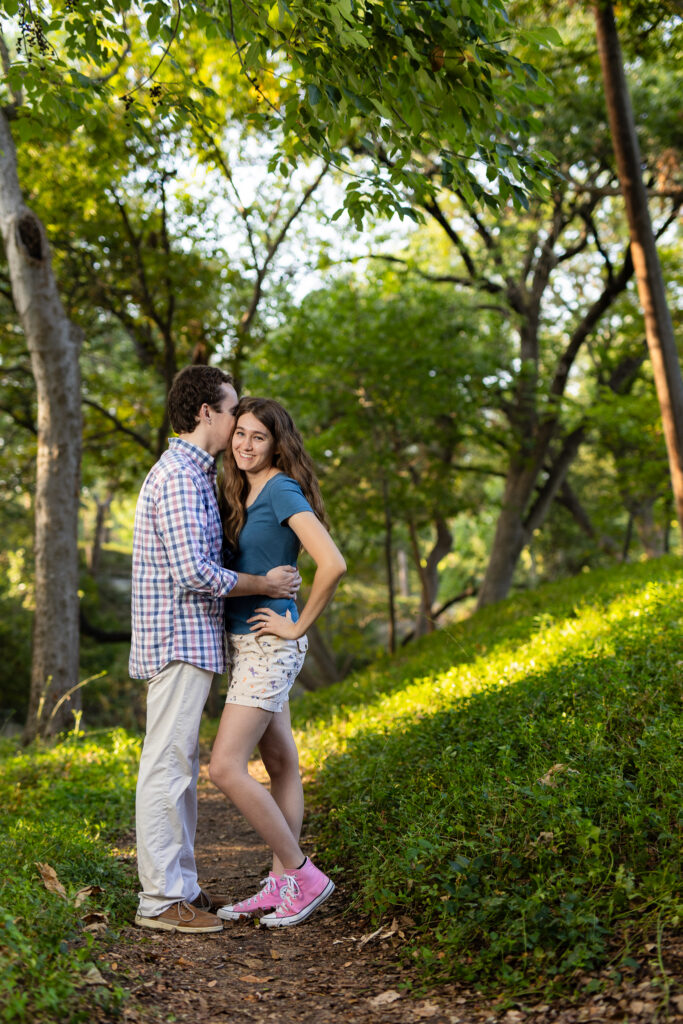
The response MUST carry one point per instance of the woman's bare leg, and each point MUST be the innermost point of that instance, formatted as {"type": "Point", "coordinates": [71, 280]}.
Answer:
{"type": "Point", "coordinates": [281, 760]}
{"type": "Point", "coordinates": [240, 731]}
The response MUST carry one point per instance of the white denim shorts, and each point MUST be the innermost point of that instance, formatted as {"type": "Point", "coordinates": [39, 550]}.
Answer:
{"type": "Point", "coordinates": [263, 669]}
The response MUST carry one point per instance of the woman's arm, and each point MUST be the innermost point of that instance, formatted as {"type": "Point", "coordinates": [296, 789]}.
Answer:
{"type": "Point", "coordinates": [330, 567]}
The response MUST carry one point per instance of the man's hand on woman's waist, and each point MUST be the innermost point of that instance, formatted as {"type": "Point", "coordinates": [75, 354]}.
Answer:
{"type": "Point", "coordinates": [283, 582]}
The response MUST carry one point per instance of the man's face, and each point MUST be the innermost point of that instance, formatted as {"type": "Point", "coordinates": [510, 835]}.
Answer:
{"type": "Point", "coordinates": [222, 419]}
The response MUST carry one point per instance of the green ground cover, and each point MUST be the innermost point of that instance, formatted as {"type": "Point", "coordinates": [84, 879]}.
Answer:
{"type": "Point", "coordinates": [65, 806]}
{"type": "Point", "coordinates": [513, 784]}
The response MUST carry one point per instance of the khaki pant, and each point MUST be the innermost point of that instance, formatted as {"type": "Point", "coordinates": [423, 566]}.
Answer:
{"type": "Point", "coordinates": [166, 798]}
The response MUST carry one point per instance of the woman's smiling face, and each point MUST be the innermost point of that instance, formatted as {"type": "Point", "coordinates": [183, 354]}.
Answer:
{"type": "Point", "coordinates": [253, 445]}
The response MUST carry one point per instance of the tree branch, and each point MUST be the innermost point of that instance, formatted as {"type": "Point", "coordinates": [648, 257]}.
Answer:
{"type": "Point", "coordinates": [142, 441]}
{"type": "Point", "coordinates": [248, 315]}
{"type": "Point", "coordinates": [25, 421]}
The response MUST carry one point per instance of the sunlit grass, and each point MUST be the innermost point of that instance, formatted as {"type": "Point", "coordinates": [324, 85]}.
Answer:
{"type": "Point", "coordinates": [430, 792]}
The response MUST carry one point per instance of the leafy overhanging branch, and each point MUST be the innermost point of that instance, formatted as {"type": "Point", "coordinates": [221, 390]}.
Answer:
{"type": "Point", "coordinates": [434, 78]}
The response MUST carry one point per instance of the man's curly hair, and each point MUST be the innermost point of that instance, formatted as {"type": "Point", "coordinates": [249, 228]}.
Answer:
{"type": "Point", "coordinates": [191, 388]}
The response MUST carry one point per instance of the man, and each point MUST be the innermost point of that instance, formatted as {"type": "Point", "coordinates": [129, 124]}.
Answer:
{"type": "Point", "coordinates": [179, 585]}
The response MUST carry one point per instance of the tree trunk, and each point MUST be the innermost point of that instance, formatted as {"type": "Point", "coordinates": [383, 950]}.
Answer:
{"type": "Point", "coordinates": [658, 326]}
{"type": "Point", "coordinates": [429, 574]}
{"type": "Point", "coordinates": [53, 343]}
{"type": "Point", "coordinates": [403, 578]}
{"type": "Point", "coordinates": [510, 536]}
{"type": "Point", "coordinates": [99, 531]}
{"type": "Point", "coordinates": [389, 563]}
{"type": "Point", "coordinates": [649, 534]}
{"type": "Point", "coordinates": [521, 513]}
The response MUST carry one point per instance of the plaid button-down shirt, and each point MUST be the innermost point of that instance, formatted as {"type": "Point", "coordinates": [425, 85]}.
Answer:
{"type": "Point", "coordinates": [178, 579]}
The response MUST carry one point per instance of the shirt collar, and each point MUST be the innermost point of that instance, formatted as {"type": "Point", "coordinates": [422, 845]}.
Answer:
{"type": "Point", "coordinates": [197, 454]}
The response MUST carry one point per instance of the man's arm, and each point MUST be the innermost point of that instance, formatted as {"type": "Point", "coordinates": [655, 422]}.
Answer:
{"type": "Point", "coordinates": [183, 524]}
{"type": "Point", "coordinates": [283, 581]}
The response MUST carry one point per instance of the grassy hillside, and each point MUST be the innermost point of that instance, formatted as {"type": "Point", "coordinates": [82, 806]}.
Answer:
{"type": "Point", "coordinates": [513, 785]}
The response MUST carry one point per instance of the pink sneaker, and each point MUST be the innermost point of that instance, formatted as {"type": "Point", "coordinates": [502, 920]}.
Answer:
{"type": "Point", "coordinates": [303, 891]}
{"type": "Point", "coordinates": [266, 899]}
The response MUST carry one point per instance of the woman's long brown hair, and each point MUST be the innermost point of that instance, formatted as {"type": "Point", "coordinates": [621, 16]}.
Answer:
{"type": "Point", "coordinates": [289, 455]}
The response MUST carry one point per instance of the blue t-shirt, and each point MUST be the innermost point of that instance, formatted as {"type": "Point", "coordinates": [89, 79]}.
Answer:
{"type": "Point", "coordinates": [266, 541]}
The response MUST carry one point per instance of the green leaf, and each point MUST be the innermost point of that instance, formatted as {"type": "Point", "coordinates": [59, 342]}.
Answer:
{"type": "Point", "coordinates": [314, 94]}
{"type": "Point", "coordinates": [153, 25]}
{"type": "Point", "coordinates": [252, 56]}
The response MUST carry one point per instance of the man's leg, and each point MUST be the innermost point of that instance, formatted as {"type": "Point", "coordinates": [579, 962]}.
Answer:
{"type": "Point", "coordinates": [189, 815]}
{"type": "Point", "coordinates": [166, 790]}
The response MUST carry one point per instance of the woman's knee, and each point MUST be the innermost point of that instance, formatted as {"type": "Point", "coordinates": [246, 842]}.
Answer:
{"type": "Point", "coordinates": [224, 773]}
{"type": "Point", "coordinates": [280, 759]}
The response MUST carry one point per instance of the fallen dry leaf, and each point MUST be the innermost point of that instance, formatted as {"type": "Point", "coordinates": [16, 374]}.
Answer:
{"type": "Point", "coordinates": [275, 955]}
{"type": "Point", "coordinates": [426, 1010]}
{"type": "Point", "coordinates": [557, 769]}
{"type": "Point", "coordinates": [93, 977]}
{"type": "Point", "coordinates": [392, 930]}
{"type": "Point", "coordinates": [638, 1006]}
{"type": "Point", "coordinates": [182, 962]}
{"type": "Point", "coordinates": [251, 961]}
{"type": "Point", "coordinates": [384, 998]}
{"type": "Point", "coordinates": [544, 838]}
{"type": "Point", "coordinates": [82, 894]}
{"type": "Point", "coordinates": [212, 983]}
{"type": "Point", "coordinates": [255, 979]}
{"type": "Point", "coordinates": [95, 917]}
{"type": "Point", "coordinates": [50, 880]}
{"type": "Point", "coordinates": [370, 936]}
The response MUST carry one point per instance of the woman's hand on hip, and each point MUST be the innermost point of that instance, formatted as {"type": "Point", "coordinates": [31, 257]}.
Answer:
{"type": "Point", "coordinates": [265, 620]}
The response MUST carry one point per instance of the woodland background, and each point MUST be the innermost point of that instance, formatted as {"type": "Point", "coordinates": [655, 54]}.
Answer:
{"type": "Point", "coordinates": [405, 222]}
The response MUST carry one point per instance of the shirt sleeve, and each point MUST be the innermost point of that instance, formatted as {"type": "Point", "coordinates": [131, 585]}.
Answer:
{"type": "Point", "coordinates": [183, 526]}
{"type": "Point", "coordinates": [287, 498]}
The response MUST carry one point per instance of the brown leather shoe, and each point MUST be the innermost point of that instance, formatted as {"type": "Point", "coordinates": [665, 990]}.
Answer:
{"type": "Point", "coordinates": [205, 901]}
{"type": "Point", "coordinates": [181, 917]}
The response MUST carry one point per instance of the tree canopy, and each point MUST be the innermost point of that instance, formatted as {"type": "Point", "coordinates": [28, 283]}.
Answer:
{"type": "Point", "coordinates": [332, 79]}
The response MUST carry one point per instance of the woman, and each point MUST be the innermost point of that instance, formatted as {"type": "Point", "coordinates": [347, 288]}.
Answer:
{"type": "Point", "coordinates": [272, 508]}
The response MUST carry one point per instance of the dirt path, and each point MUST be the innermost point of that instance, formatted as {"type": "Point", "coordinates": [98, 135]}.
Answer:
{"type": "Point", "coordinates": [326, 971]}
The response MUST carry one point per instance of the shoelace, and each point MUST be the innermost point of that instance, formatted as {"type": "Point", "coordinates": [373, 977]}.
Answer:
{"type": "Point", "coordinates": [191, 914]}
{"type": "Point", "coordinates": [289, 891]}
{"type": "Point", "coordinates": [268, 887]}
